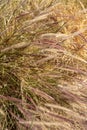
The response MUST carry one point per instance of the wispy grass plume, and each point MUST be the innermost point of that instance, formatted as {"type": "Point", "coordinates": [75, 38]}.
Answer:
{"type": "Point", "coordinates": [43, 65]}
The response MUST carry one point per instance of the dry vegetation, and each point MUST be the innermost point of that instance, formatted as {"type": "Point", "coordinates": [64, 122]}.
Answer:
{"type": "Point", "coordinates": [43, 65]}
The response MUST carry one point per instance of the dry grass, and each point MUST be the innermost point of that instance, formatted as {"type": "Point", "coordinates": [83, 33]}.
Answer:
{"type": "Point", "coordinates": [43, 65]}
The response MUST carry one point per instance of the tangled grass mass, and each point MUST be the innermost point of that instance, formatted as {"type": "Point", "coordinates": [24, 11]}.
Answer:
{"type": "Point", "coordinates": [43, 65]}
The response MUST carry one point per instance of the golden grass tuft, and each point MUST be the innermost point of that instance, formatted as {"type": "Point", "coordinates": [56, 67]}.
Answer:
{"type": "Point", "coordinates": [43, 65]}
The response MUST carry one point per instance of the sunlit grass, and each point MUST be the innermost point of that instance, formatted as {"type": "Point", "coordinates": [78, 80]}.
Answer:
{"type": "Point", "coordinates": [43, 65]}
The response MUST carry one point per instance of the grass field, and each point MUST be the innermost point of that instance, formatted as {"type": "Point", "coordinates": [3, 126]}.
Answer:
{"type": "Point", "coordinates": [43, 65]}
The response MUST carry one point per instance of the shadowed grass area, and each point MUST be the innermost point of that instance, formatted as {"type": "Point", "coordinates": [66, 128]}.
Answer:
{"type": "Point", "coordinates": [43, 65]}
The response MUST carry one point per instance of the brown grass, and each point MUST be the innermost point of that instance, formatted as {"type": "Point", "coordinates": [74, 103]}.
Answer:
{"type": "Point", "coordinates": [43, 65]}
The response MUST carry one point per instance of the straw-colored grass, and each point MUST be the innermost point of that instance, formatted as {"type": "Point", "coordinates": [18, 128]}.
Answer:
{"type": "Point", "coordinates": [43, 65]}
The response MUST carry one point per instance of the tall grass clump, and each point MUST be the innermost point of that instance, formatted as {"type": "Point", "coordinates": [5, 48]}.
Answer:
{"type": "Point", "coordinates": [43, 65]}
